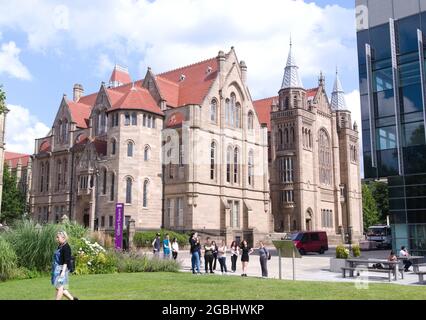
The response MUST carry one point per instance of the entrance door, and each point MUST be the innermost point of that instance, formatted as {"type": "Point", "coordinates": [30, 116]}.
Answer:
{"type": "Point", "coordinates": [86, 220]}
{"type": "Point", "coordinates": [308, 225]}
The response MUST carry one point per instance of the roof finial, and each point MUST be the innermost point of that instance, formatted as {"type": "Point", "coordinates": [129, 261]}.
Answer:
{"type": "Point", "coordinates": [291, 43]}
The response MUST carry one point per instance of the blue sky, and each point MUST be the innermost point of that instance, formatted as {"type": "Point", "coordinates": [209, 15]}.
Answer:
{"type": "Point", "coordinates": [46, 46]}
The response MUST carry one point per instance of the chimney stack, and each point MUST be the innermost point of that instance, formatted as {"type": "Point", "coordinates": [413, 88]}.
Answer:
{"type": "Point", "coordinates": [243, 68]}
{"type": "Point", "coordinates": [78, 92]}
{"type": "Point", "coordinates": [221, 60]}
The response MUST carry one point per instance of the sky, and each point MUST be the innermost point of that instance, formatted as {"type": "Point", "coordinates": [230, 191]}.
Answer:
{"type": "Point", "coordinates": [47, 46]}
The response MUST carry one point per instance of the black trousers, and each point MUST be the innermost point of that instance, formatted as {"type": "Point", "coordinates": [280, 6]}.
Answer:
{"type": "Point", "coordinates": [208, 261]}
{"type": "Point", "coordinates": [264, 266]}
{"type": "Point", "coordinates": [222, 262]}
{"type": "Point", "coordinates": [174, 254]}
{"type": "Point", "coordinates": [407, 264]}
{"type": "Point", "coordinates": [234, 262]}
{"type": "Point", "coordinates": [214, 261]}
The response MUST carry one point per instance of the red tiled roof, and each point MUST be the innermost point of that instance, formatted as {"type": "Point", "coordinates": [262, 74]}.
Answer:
{"type": "Point", "coordinates": [119, 75]}
{"type": "Point", "coordinates": [12, 159]}
{"type": "Point", "coordinates": [310, 93]}
{"type": "Point", "coordinates": [139, 99]}
{"type": "Point", "coordinates": [169, 90]}
{"type": "Point", "coordinates": [79, 113]}
{"type": "Point", "coordinates": [45, 147]}
{"type": "Point", "coordinates": [263, 109]}
{"type": "Point", "coordinates": [197, 82]}
{"type": "Point", "coordinates": [114, 95]}
{"type": "Point", "coordinates": [89, 99]}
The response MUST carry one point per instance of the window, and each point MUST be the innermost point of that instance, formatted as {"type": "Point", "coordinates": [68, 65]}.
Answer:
{"type": "Point", "coordinates": [169, 217]}
{"type": "Point", "coordinates": [287, 103]}
{"type": "Point", "coordinates": [251, 168]}
{"type": "Point", "coordinates": [117, 119]}
{"type": "Point", "coordinates": [237, 115]}
{"type": "Point", "coordinates": [286, 136]}
{"type": "Point", "coordinates": [65, 131]}
{"type": "Point", "coordinates": [146, 153]}
{"type": "Point", "coordinates": [179, 212]}
{"type": "Point", "coordinates": [113, 146]}
{"type": "Point", "coordinates": [47, 176]}
{"type": "Point", "coordinates": [325, 164]}
{"type": "Point", "coordinates": [112, 190]}
{"type": "Point", "coordinates": [228, 165]}
{"type": "Point", "coordinates": [111, 221]}
{"type": "Point", "coordinates": [289, 196]}
{"type": "Point", "coordinates": [213, 161]}
{"type": "Point", "coordinates": [250, 123]}
{"type": "Point", "coordinates": [42, 169]}
{"type": "Point", "coordinates": [103, 222]}
{"type": "Point", "coordinates": [148, 124]}
{"type": "Point", "coordinates": [103, 122]}
{"type": "Point", "coordinates": [213, 111]}
{"type": "Point", "coordinates": [286, 170]}
{"type": "Point", "coordinates": [129, 190]}
{"type": "Point", "coordinates": [227, 112]}
{"type": "Point", "coordinates": [134, 119]}
{"type": "Point", "coordinates": [65, 173]}
{"type": "Point", "coordinates": [145, 193]}
{"type": "Point", "coordinates": [144, 120]}
{"type": "Point", "coordinates": [234, 207]}
{"type": "Point", "coordinates": [130, 149]}
{"type": "Point", "coordinates": [236, 165]}
{"type": "Point", "coordinates": [280, 139]}
{"type": "Point", "coordinates": [126, 119]}
{"type": "Point", "coordinates": [327, 218]}
{"type": "Point", "coordinates": [104, 181]}
{"type": "Point", "coordinates": [59, 175]}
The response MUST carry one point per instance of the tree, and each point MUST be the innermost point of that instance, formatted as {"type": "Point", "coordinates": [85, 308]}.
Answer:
{"type": "Point", "coordinates": [2, 100]}
{"type": "Point", "coordinates": [380, 194]}
{"type": "Point", "coordinates": [369, 208]}
{"type": "Point", "coordinates": [13, 201]}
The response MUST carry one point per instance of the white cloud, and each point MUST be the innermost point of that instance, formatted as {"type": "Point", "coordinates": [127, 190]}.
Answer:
{"type": "Point", "coordinates": [10, 63]}
{"type": "Point", "coordinates": [104, 66]}
{"type": "Point", "coordinates": [21, 130]}
{"type": "Point", "coordinates": [169, 33]}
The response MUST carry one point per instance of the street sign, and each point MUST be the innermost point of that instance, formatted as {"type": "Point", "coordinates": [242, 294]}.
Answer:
{"type": "Point", "coordinates": [287, 249]}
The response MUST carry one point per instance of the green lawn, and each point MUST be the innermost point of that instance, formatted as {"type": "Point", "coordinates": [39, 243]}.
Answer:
{"type": "Point", "coordinates": [185, 286]}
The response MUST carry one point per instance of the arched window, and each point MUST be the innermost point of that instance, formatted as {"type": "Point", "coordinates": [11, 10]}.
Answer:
{"type": "Point", "coordinates": [232, 111]}
{"type": "Point", "coordinates": [59, 174]}
{"type": "Point", "coordinates": [130, 149]}
{"type": "Point", "coordinates": [127, 119]}
{"type": "Point", "coordinates": [42, 169]}
{"type": "Point", "coordinates": [213, 161]}
{"type": "Point", "coordinates": [145, 193]}
{"type": "Point", "coordinates": [129, 190]}
{"type": "Point", "coordinates": [113, 146]}
{"type": "Point", "coordinates": [287, 103]}
{"type": "Point", "coordinates": [146, 153]}
{"type": "Point", "coordinates": [236, 165]}
{"type": "Point", "coordinates": [286, 135]}
{"type": "Point", "coordinates": [250, 123]}
{"type": "Point", "coordinates": [149, 122]}
{"type": "Point", "coordinates": [295, 102]}
{"type": "Point", "coordinates": [47, 166]}
{"type": "Point", "coordinates": [228, 164]}
{"type": "Point", "coordinates": [310, 139]}
{"type": "Point", "coordinates": [65, 173]}
{"type": "Point", "coordinates": [103, 122]}
{"type": "Point", "coordinates": [134, 119]}
{"type": "Point", "coordinates": [291, 135]}
{"type": "Point", "coordinates": [325, 171]}
{"type": "Point", "coordinates": [65, 131]}
{"type": "Point", "coordinates": [213, 111]}
{"type": "Point", "coordinates": [112, 189]}
{"type": "Point", "coordinates": [280, 137]}
{"type": "Point", "coordinates": [237, 115]}
{"type": "Point", "coordinates": [59, 132]}
{"type": "Point", "coordinates": [251, 168]}
{"type": "Point", "coordinates": [104, 181]}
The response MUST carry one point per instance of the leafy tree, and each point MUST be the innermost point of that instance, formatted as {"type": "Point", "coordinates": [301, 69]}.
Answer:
{"type": "Point", "coordinates": [380, 194]}
{"type": "Point", "coordinates": [2, 100]}
{"type": "Point", "coordinates": [13, 202]}
{"type": "Point", "coordinates": [369, 208]}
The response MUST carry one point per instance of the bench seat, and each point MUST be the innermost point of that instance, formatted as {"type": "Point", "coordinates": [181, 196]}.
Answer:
{"type": "Point", "coordinates": [369, 269]}
{"type": "Point", "coordinates": [421, 274]}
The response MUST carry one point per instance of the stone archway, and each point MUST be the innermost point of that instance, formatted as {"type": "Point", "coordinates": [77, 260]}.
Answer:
{"type": "Point", "coordinates": [308, 219]}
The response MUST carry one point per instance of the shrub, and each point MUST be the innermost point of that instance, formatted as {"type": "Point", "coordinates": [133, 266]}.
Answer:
{"type": "Point", "coordinates": [356, 251]}
{"type": "Point", "coordinates": [23, 273]}
{"type": "Point", "coordinates": [133, 262]}
{"type": "Point", "coordinates": [8, 260]}
{"type": "Point", "coordinates": [74, 230]}
{"type": "Point", "coordinates": [145, 238]}
{"type": "Point", "coordinates": [342, 252]}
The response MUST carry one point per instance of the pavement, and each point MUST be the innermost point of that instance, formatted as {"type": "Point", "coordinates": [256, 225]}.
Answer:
{"type": "Point", "coordinates": [311, 267]}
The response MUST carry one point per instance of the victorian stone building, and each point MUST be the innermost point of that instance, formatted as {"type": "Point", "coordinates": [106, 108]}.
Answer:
{"type": "Point", "coordinates": [20, 165]}
{"type": "Point", "coordinates": [188, 150]}
{"type": "Point", "coordinates": [313, 158]}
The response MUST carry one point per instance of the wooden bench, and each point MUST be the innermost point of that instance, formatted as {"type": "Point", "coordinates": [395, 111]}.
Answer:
{"type": "Point", "coordinates": [420, 274]}
{"type": "Point", "coordinates": [369, 269]}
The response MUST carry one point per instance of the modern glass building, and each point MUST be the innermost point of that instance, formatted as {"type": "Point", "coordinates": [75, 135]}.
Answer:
{"type": "Point", "coordinates": [391, 38]}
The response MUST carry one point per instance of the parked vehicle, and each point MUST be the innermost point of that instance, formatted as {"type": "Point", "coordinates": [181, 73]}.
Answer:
{"type": "Point", "coordinates": [382, 234]}
{"type": "Point", "coordinates": [310, 241]}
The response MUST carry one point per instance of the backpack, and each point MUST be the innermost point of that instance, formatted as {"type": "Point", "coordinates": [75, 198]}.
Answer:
{"type": "Point", "coordinates": [71, 267]}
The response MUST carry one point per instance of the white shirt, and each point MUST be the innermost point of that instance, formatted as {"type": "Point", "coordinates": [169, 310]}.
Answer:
{"type": "Point", "coordinates": [403, 253]}
{"type": "Point", "coordinates": [175, 246]}
{"type": "Point", "coordinates": [221, 252]}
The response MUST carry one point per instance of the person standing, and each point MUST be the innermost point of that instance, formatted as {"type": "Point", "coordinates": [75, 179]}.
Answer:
{"type": "Point", "coordinates": [166, 247]}
{"type": "Point", "coordinates": [208, 255]}
{"type": "Point", "coordinates": [245, 252]}
{"type": "Point", "coordinates": [60, 267]}
{"type": "Point", "coordinates": [214, 254]}
{"type": "Point", "coordinates": [263, 257]}
{"type": "Point", "coordinates": [175, 248]}
{"type": "Point", "coordinates": [156, 244]}
{"type": "Point", "coordinates": [195, 253]}
{"type": "Point", "coordinates": [407, 263]}
{"type": "Point", "coordinates": [234, 256]}
{"type": "Point", "coordinates": [221, 254]}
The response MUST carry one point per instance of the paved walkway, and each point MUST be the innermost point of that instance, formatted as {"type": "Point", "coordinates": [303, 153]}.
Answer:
{"type": "Point", "coordinates": [311, 267]}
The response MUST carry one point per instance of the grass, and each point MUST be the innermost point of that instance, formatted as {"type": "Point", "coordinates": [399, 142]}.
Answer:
{"type": "Point", "coordinates": [185, 286]}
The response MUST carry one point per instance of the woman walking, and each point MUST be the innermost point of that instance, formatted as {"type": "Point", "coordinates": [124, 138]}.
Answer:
{"type": "Point", "coordinates": [263, 257]}
{"type": "Point", "coordinates": [60, 267]}
{"type": "Point", "coordinates": [245, 252]}
{"type": "Point", "coordinates": [175, 248]}
{"type": "Point", "coordinates": [234, 255]}
{"type": "Point", "coordinates": [221, 254]}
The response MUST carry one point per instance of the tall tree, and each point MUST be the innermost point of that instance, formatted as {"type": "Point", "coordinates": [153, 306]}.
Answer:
{"type": "Point", "coordinates": [2, 100]}
{"type": "Point", "coordinates": [380, 194]}
{"type": "Point", "coordinates": [369, 208]}
{"type": "Point", "coordinates": [13, 201]}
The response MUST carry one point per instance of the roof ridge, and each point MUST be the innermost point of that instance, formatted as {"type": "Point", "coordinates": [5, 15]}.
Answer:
{"type": "Point", "coordinates": [187, 66]}
{"type": "Point", "coordinates": [266, 98]}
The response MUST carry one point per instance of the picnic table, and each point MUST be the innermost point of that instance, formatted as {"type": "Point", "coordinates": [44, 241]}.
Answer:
{"type": "Point", "coordinates": [415, 260]}
{"type": "Point", "coordinates": [390, 267]}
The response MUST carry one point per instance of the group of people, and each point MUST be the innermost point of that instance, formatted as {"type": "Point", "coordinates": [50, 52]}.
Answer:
{"type": "Point", "coordinates": [404, 254]}
{"type": "Point", "coordinates": [168, 247]}
{"type": "Point", "coordinates": [214, 253]}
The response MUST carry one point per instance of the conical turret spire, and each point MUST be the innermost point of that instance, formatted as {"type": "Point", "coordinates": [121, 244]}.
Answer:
{"type": "Point", "coordinates": [338, 101]}
{"type": "Point", "coordinates": [291, 72]}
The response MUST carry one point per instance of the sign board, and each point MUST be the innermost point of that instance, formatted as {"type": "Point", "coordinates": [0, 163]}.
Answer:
{"type": "Point", "coordinates": [287, 248]}
{"type": "Point", "coordinates": [119, 220]}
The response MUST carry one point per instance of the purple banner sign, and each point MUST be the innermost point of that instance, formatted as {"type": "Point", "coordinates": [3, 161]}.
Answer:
{"type": "Point", "coordinates": [119, 216]}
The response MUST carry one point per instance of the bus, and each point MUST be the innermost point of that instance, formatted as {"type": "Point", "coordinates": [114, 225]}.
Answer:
{"type": "Point", "coordinates": [382, 234]}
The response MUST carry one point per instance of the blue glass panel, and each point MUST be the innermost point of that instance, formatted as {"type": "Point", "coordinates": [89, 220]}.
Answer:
{"type": "Point", "coordinates": [366, 143]}
{"type": "Point", "coordinates": [413, 134]}
{"type": "Point", "coordinates": [407, 33]}
{"type": "Point", "coordinates": [411, 99]}
{"type": "Point", "coordinates": [412, 117]}
{"type": "Point", "coordinates": [396, 204]}
{"type": "Point", "coordinates": [381, 64]}
{"type": "Point", "coordinates": [365, 112]}
{"type": "Point", "coordinates": [384, 103]}
{"type": "Point", "coordinates": [363, 84]}
{"type": "Point", "coordinates": [369, 171]}
{"type": "Point", "coordinates": [382, 79]}
{"type": "Point", "coordinates": [380, 42]}
{"type": "Point", "coordinates": [387, 162]}
{"type": "Point", "coordinates": [362, 39]}
{"type": "Point", "coordinates": [415, 162]}
{"type": "Point", "coordinates": [386, 138]}
{"type": "Point", "coordinates": [386, 121]}
{"type": "Point", "coordinates": [409, 73]}
{"type": "Point", "coordinates": [409, 57]}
